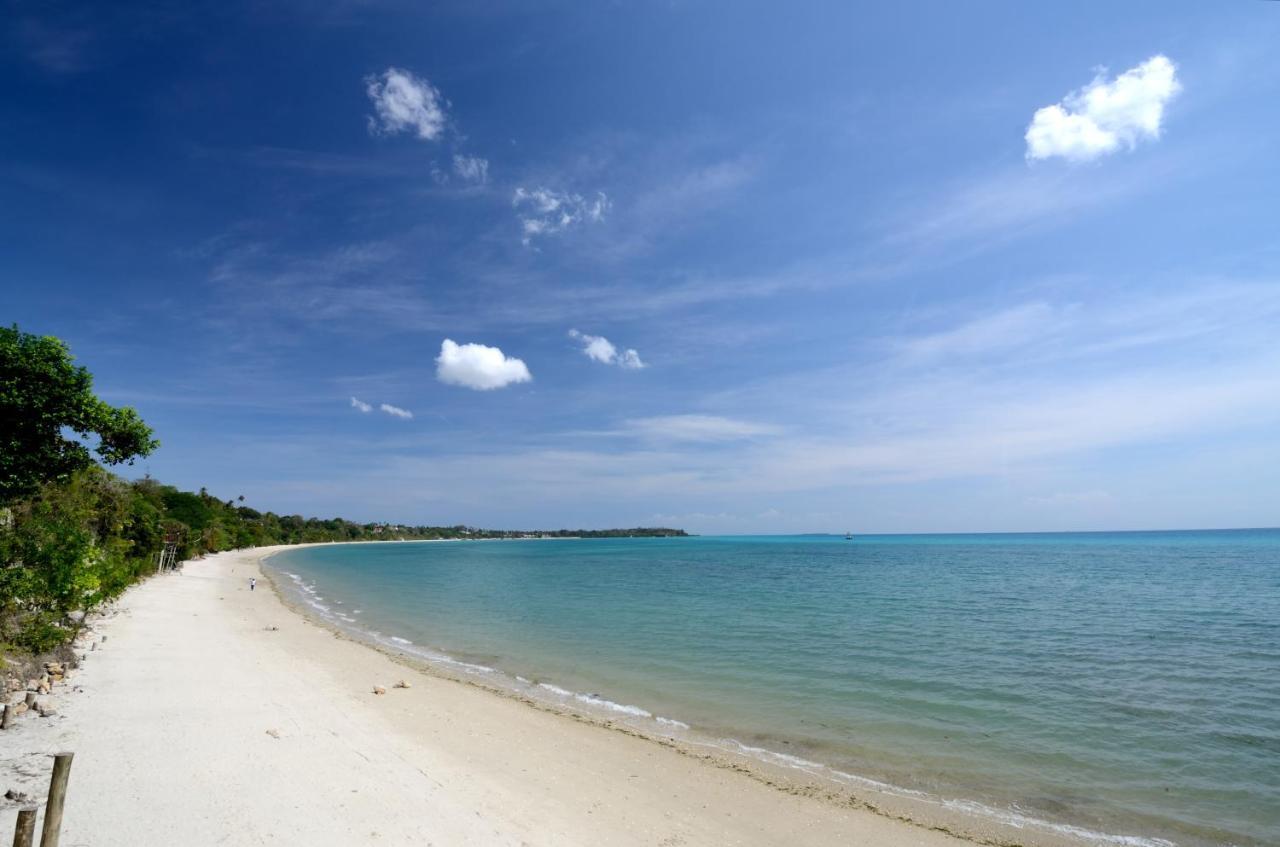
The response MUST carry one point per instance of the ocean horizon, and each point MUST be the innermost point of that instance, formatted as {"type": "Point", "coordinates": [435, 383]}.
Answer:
{"type": "Point", "coordinates": [1117, 687]}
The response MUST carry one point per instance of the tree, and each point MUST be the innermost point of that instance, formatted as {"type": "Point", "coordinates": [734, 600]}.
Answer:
{"type": "Point", "coordinates": [43, 396]}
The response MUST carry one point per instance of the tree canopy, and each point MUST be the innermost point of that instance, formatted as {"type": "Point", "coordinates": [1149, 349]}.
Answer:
{"type": "Point", "coordinates": [44, 396]}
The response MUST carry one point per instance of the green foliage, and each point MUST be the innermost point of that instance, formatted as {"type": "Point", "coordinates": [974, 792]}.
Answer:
{"type": "Point", "coordinates": [43, 396]}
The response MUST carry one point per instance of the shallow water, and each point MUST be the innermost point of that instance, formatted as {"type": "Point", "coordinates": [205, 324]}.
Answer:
{"type": "Point", "coordinates": [1124, 683]}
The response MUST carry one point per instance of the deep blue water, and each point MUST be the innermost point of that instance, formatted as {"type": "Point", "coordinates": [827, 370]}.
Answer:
{"type": "Point", "coordinates": [1125, 683]}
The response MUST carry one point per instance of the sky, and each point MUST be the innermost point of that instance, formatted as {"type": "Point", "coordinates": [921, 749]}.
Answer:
{"type": "Point", "coordinates": [733, 267]}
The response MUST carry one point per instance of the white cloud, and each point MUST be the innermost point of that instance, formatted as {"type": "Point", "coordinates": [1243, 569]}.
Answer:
{"type": "Point", "coordinates": [542, 211]}
{"type": "Point", "coordinates": [471, 168]}
{"type": "Point", "coordinates": [697, 428]}
{"type": "Point", "coordinates": [405, 102]}
{"type": "Point", "coordinates": [396, 411]}
{"type": "Point", "coordinates": [1104, 117]}
{"type": "Point", "coordinates": [478, 366]}
{"type": "Point", "coordinates": [600, 349]}
{"type": "Point", "coordinates": [361, 405]}
{"type": "Point", "coordinates": [630, 360]}
{"type": "Point", "coordinates": [996, 332]}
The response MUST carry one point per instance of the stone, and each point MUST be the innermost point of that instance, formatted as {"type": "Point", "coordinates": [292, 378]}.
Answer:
{"type": "Point", "coordinates": [378, 689]}
{"type": "Point", "coordinates": [274, 733]}
{"type": "Point", "coordinates": [42, 688]}
{"type": "Point", "coordinates": [18, 796]}
{"type": "Point", "coordinates": [20, 709]}
{"type": "Point", "coordinates": [46, 709]}
{"type": "Point", "coordinates": [403, 684]}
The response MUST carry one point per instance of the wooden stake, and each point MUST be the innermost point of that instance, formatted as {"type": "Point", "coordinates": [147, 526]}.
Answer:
{"type": "Point", "coordinates": [31, 700]}
{"type": "Point", "coordinates": [25, 832]}
{"type": "Point", "coordinates": [52, 829]}
{"type": "Point", "coordinates": [8, 716]}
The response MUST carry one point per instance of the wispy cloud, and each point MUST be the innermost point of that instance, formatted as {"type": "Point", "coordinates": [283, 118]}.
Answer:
{"type": "Point", "coordinates": [361, 406]}
{"type": "Point", "coordinates": [405, 103]}
{"type": "Point", "coordinates": [995, 332]}
{"type": "Point", "coordinates": [60, 49]}
{"type": "Point", "coordinates": [478, 366]}
{"type": "Point", "coordinates": [1105, 116]}
{"type": "Point", "coordinates": [600, 349]}
{"type": "Point", "coordinates": [543, 211]}
{"type": "Point", "coordinates": [474, 169]}
{"type": "Point", "coordinates": [396, 411]}
{"type": "Point", "coordinates": [696, 428]}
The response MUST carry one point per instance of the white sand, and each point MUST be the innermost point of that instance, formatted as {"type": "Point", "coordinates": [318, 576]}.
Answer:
{"type": "Point", "coordinates": [170, 732]}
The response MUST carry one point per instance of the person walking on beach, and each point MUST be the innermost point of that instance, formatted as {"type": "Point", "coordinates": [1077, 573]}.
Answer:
{"type": "Point", "coordinates": [253, 581]}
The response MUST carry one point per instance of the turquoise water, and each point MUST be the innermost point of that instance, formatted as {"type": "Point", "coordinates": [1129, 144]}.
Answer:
{"type": "Point", "coordinates": [1122, 683]}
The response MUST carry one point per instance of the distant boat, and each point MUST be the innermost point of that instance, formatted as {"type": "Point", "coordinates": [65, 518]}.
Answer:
{"type": "Point", "coordinates": [848, 536]}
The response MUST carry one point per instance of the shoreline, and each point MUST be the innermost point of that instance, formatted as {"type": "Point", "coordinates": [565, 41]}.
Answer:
{"type": "Point", "coordinates": [219, 715]}
{"type": "Point", "coordinates": [968, 820]}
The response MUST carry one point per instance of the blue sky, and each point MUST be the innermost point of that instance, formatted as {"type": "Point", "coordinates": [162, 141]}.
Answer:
{"type": "Point", "coordinates": [734, 267]}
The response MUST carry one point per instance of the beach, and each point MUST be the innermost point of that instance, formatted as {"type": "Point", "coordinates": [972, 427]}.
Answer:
{"type": "Point", "coordinates": [210, 714]}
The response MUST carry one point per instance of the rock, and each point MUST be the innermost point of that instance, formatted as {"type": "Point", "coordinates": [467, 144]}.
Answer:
{"type": "Point", "coordinates": [378, 689]}
{"type": "Point", "coordinates": [19, 796]}
{"type": "Point", "coordinates": [20, 709]}
{"type": "Point", "coordinates": [46, 709]}
{"type": "Point", "coordinates": [274, 733]}
{"type": "Point", "coordinates": [33, 684]}
{"type": "Point", "coordinates": [403, 684]}
{"type": "Point", "coordinates": [42, 688]}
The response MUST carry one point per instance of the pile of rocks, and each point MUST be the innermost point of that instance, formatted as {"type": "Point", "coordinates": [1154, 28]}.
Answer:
{"type": "Point", "coordinates": [22, 697]}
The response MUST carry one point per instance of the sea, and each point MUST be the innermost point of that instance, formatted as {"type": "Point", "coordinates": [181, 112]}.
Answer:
{"type": "Point", "coordinates": [1112, 688]}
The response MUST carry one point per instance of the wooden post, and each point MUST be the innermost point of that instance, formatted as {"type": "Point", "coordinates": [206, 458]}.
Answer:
{"type": "Point", "coordinates": [25, 832]}
{"type": "Point", "coordinates": [31, 700]}
{"type": "Point", "coordinates": [8, 716]}
{"type": "Point", "coordinates": [52, 829]}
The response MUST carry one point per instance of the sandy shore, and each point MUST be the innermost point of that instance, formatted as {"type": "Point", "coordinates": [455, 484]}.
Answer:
{"type": "Point", "coordinates": [197, 723]}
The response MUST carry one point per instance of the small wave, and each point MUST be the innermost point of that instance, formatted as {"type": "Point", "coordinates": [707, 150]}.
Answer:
{"type": "Point", "coordinates": [781, 758]}
{"type": "Point", "coordinates": [881, 786]}
{"type": "Point", "coordinates": [1021, 821]}
{"type": "Point", "coordinates": [458, 663]}
{"type": "Point", "coordinates": [397, 639]}
{"type": "Point", "coordinates": [671, 722]}
{"type": "Point", "coordinates": [597, 701]}
{"type": "Point", "coordinates": [602, 703]}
